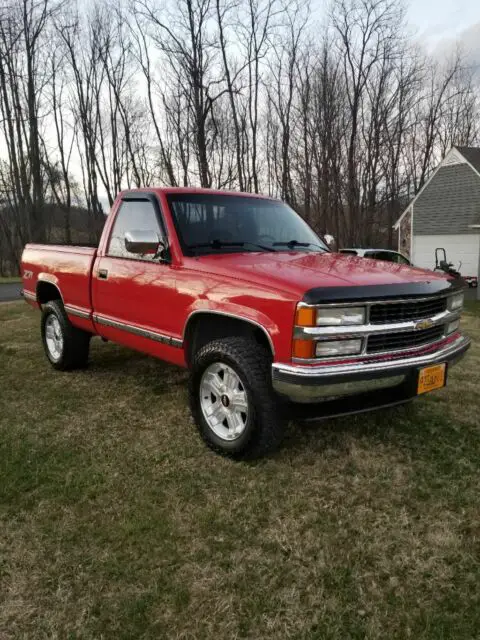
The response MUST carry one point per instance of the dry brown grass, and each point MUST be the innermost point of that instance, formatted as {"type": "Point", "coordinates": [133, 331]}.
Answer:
{"type": "Point", "coordinates": [118, 523]}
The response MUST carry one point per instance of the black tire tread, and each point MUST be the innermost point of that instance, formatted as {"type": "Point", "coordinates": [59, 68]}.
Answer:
{"type": "Point", "coordinates": [76, 343]}
{"type": "Point", "coordinates": [254, 362]}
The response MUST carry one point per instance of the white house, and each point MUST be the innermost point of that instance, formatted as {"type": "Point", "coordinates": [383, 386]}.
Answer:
{"type": "Point", "coordinates": [446, 213]}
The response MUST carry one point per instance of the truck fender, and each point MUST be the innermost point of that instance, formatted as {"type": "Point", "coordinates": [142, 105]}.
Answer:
{"type": "Point", "coordinates": [47, 278]}
{"type": "Point", "coordinates": [238, 312]}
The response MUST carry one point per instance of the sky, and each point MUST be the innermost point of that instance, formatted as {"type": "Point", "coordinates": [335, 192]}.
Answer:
{"type": "Point", "coordinates": [443, 26]}
{"type": "Point", "coordinates": [439, 26]}
{"type": "Point", "coordinates": [441, 20]}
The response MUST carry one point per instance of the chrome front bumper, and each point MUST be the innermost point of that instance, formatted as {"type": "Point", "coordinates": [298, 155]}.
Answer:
{"type": "Point", "coordinates": [312, 384]}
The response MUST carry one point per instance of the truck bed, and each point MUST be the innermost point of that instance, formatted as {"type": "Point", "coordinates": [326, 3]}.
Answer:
{"type": "Point", "coordinates": [68, 267]}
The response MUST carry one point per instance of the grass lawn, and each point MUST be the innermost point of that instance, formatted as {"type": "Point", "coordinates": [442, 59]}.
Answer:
{"type": "Point", "coordinates": [8, 279]}
{"type": "Point", "coordinates": [116, 521]}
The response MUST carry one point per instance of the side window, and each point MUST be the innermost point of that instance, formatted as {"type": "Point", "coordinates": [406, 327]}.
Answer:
{"type": "Point", "coordinates": [133, 215]}
{"type": "Point", "coordinates": [379, 255]}
{"type": "Point", "coordinates": [387, 256]}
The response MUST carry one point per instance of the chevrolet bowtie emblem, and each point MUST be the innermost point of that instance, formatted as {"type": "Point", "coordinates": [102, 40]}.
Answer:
{"type": "Point", "coordinates": [423, 324]}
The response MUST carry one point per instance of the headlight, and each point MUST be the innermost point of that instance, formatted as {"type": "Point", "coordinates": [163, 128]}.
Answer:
{"type": "Point", "coordinates": [340, 316]}
{"type": "Point", "coordinates": [330, 316]}
{"type": "Point", "coordinates": [456, 302]}
{"type": "Point", "coordinates": [338, 348]}
{"type": "Point", "coordinates": [452, 327]}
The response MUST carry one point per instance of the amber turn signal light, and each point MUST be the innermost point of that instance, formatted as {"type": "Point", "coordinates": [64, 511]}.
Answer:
{"type": "Point", "coordinates": [306, 317]}
{"type": "Point", "coordinates": [303, 349]}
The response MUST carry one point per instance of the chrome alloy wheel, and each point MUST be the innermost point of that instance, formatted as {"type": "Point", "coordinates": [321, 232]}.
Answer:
{"type": "Point", "coordinates": [54, 337]}
{"type": "Point", "coordinates": [224, 401]}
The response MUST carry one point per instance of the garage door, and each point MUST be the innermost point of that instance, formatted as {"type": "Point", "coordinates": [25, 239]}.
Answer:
{"type": "Point", "coordinates": [462, 250]}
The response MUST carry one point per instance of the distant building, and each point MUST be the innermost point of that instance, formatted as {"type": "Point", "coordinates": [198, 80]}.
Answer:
{"type": "Point", "coordinates": [446, 213]}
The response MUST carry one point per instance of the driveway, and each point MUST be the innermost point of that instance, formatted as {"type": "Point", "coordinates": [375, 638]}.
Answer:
{"type": "Point", "coordinates": [10, 291]}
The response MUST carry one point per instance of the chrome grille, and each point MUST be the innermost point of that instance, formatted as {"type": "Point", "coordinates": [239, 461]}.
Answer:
{"type": "Point", "coordinates": [398, 326]}
{"type": "Point", "coordinates": [403, 340]}
{"type": "Point", "coordinates": [391, 312]}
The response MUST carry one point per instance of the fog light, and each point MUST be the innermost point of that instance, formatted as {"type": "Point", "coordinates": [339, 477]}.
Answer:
{"type": "Point", "coordinates": [338, 348]}
{"type": "Point", "coordinates": [452, 327]}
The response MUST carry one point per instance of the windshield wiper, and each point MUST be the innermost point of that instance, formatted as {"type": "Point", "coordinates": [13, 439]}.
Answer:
{"type": "Point", "coordinates": [291, 244]}
{"type": "Point", "coordinates": [220, 244]}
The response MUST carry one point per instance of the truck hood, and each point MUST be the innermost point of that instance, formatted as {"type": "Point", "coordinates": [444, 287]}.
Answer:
{"type": "Point", "coordinates": [300, 272]}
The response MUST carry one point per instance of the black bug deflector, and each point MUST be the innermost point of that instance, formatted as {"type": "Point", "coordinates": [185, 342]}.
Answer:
{"type": "Point", "coordinates": [381, 292]}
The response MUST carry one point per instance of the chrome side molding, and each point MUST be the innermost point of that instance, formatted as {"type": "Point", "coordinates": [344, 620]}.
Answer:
{"type": "Point", "coordinates": [138, 331]}
{"type": "Point", "coordinates": [75, 311]}
{"type": "Point", "coordinates": [28, 295]}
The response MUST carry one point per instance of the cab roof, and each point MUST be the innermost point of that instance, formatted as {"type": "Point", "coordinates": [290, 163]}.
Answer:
{"type": "Point", "coordinates": [195, 190]}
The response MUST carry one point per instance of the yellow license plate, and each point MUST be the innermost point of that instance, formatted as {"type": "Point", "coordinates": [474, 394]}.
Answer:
{"type": "Point", "coordinates": [431, 378]}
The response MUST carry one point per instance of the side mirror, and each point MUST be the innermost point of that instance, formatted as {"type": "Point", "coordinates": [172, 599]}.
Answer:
{"type": "Point", "coordinates": [143, 242]}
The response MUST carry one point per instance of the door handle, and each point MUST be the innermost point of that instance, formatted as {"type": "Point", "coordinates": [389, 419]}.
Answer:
{"type": "Point", "coordinates": [102, 274]}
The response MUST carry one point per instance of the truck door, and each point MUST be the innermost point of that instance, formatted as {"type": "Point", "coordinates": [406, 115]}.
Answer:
{"type": "Point", "coordinates": [134, 295]}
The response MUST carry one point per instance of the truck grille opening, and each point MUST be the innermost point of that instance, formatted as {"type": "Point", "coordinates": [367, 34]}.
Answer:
{"type": "Point", "coordinates": [403, 340]}
{"type": "Point", "coordinates": [388, 313]}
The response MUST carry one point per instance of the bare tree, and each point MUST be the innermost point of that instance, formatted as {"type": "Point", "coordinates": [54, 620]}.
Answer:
{"type": "Point", "coordinates": [141, 50]}
{"type": "Point", "coordinates": [345, 125]}
{"type": "Point", "coordinates": [81, 51]}
{"type": "Point", "coordinates": [282, 89]}
{"type": "Point", "coordinates": [23, 27]}
{"type": "Point", "coordinates": [256, 24]}
{"type": "Point", "coordinates": [189, 53]}
{"type": "Point", "coordinates": [366, 30]}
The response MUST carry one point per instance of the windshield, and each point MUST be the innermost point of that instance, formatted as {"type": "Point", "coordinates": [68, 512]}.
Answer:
{"type": "Point", "coordinates": [209, 223]}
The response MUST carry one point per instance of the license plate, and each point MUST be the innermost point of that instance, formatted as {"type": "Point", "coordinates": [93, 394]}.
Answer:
{"type": "Point", "coordinates": [431, 378]}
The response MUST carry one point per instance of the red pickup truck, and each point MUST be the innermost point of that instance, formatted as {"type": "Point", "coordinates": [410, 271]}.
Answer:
{"type": "Point", "coordinates": [239, 289]}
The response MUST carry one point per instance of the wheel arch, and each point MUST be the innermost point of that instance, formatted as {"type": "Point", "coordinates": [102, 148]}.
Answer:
{"type": "Point", "coordinates": [204, 325]}
{"type": "Point", "coordinates": [47, 290]}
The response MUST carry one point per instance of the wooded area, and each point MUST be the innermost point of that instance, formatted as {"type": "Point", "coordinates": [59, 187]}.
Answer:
{"type": "Point", "coordinates": [343, 119]}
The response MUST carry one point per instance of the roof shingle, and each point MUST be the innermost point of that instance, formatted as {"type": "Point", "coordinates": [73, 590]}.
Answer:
{"type": "Point", "coordinates": [449, 203]}
{"type": "Point", "coordinates": [472, 154]}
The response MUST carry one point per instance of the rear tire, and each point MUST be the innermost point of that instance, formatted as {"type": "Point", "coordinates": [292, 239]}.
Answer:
{"type": "Point", "coordinates": [66, 347]}
{"type": "Point", "coordinates": [232, 401]}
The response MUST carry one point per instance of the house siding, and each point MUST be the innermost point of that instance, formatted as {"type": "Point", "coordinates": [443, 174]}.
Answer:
{"type": "Point", "coordinates": [449, 203]}
{"type": "Point", "coordinates": [463, 250]}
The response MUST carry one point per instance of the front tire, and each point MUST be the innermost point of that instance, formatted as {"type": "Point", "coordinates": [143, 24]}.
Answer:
{"type": "Point", "coordinates": [66, 347]}
{"type": "Point", "coordinates": [232, 400]}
